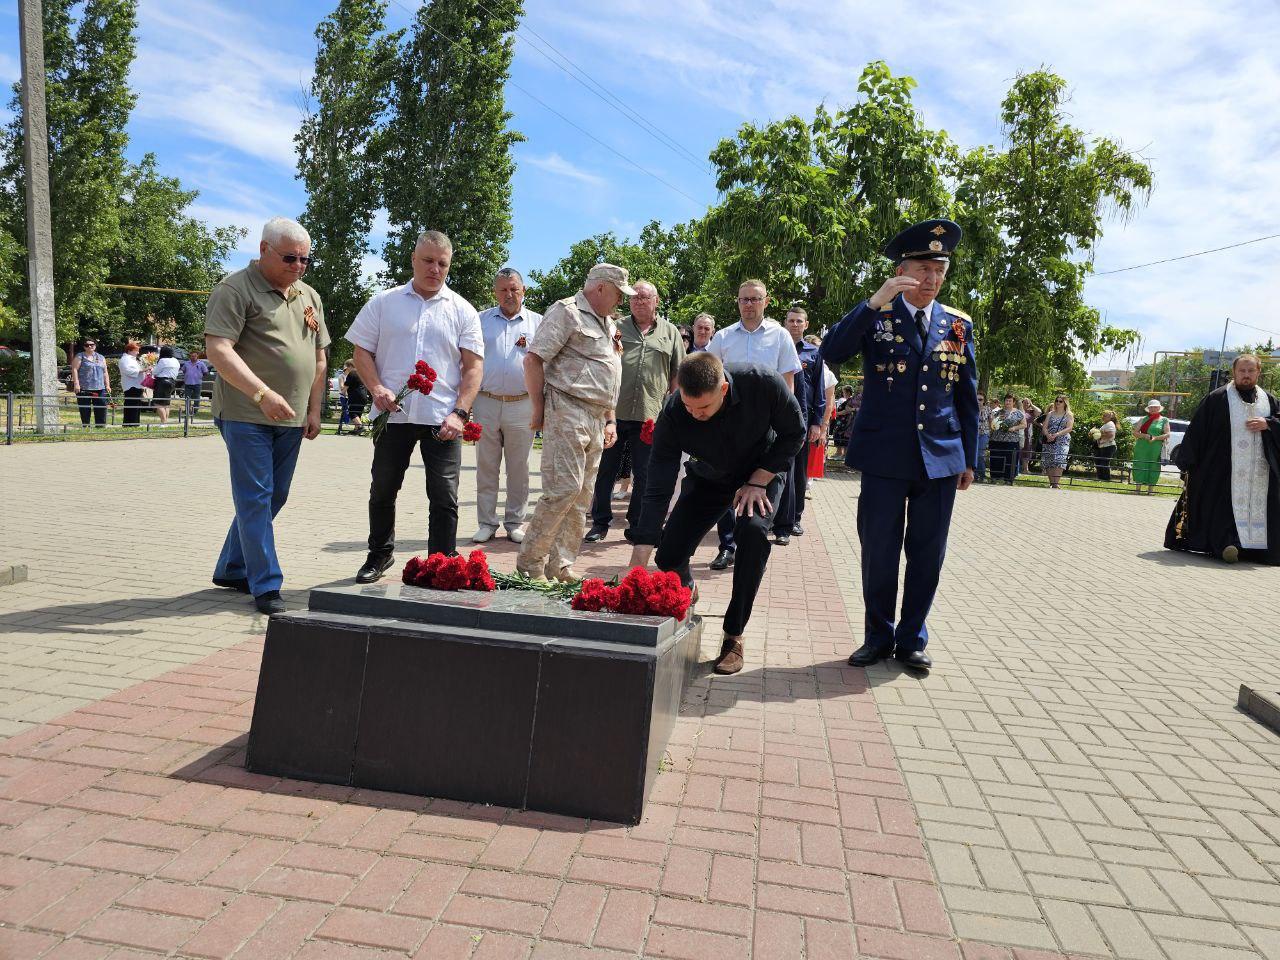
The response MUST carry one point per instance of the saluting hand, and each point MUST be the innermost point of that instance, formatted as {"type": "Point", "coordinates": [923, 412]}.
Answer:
{"type": "Point", "coordinates": [890, 289]}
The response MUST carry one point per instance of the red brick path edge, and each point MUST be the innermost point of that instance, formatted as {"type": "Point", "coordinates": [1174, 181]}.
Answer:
{"type": "Point", "coordinates": [781, 829]}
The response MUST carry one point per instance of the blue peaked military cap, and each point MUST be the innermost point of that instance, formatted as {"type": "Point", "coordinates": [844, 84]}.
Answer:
{"type": "Point", "coordinates": [930, 240]}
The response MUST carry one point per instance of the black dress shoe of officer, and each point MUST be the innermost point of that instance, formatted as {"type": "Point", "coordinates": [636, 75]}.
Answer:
{"type": "Point", "coordinates": [916, 660]}
{"type": "Point", "coordinates": [373, 569]}
{"type": "Point", "coordinates": [866, 655]}
{"type": "Point", "coordinates": [269, 602]}
{"type": "Point", "coordinates": [595, 534]}
{"type": "Point", "coordinates": [782, 539]}
{"type": "Point", "coordinates": [797, 531]}
{"type": "Point", "coordinates": [723, 560]}
{"type": "Point", "coordinates": [232, 583]}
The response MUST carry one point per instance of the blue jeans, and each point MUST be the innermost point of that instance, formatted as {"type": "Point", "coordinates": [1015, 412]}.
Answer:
{"type": "Point", "coordinates": [262, 459]}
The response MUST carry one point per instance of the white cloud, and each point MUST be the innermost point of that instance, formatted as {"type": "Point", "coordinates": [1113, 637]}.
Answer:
{"type": "Point", "coordinates": [558, 166]}
{"type": "Point", "coordinates": [222, 77]}
{"type": "Point", "coordinates": [1190, 83]}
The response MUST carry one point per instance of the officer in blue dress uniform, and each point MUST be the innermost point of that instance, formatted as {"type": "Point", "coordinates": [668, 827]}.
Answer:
{"type": "Point", "coordinates": [915, 438]}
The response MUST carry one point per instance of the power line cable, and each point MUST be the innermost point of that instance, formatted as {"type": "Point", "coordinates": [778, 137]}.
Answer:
{"type": "Point", "coordinates": [1188, 256]}
{"type": "Point", "coordinates": [603, 93]}
{"type": "Point", "coordinates": [426, 19]}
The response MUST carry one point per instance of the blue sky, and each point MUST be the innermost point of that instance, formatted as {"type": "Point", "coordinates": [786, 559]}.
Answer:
{"type": "Point", "coordinates": [1193, 85]}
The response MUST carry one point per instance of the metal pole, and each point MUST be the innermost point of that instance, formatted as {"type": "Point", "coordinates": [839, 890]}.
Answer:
{"type": "Point", "coordinates": [1222, 352]}
{"type": "Point", "coordinates": [8, 419]}
{"type": "Point", "coordinates": [35, 159]}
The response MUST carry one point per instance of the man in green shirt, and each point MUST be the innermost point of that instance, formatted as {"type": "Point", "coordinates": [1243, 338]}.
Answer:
{"type": "Point", "coordinates": [265, 335]}
{"type": "Point", "coordinates": [652, 351]}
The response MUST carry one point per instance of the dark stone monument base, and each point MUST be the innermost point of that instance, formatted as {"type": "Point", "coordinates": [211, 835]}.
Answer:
{"type": "Point", "coordinates": [1262, 705]}
{"type": "Point", "coordinates": [503, 698]}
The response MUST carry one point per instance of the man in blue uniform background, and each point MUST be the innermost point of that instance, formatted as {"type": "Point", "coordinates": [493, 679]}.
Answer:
{"type": "Point", "coordinates": [807, 388]}
{"type": "Point", "coordinates": [915, 437]}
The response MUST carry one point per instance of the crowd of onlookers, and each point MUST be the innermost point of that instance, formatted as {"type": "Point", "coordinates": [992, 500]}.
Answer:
{"type": "Point", "coordinates": [147, 379]}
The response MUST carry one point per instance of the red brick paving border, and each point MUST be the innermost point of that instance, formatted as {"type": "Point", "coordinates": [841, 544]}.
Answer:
{"type": "Point", "coordinates": [782, 829]}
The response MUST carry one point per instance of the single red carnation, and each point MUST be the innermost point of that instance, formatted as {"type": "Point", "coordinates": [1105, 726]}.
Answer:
{"type": "Point", "coordinates": [471, 432]}
{"type": "Point", "coordinates": [646, 432]}
{"type": "Point", "coordinates": [415, 382]}
{"type": "Point", "coordinates": [412, 570]}
{"type": "Point", "coordinates": [421, 367]}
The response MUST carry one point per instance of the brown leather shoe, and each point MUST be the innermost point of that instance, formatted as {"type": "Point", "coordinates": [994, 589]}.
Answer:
{"type": "Point", "coordinates": [730, 660]}
{"type": "Point", "coordinates": [564, 574]}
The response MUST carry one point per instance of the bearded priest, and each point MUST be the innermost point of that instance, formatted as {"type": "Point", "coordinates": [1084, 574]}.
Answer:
{"type": "Point", "coordinates": [1230, 458]}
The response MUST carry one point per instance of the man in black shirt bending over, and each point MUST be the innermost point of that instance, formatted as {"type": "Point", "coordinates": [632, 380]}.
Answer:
{"type": "Point", "coordinates": [741, 426]}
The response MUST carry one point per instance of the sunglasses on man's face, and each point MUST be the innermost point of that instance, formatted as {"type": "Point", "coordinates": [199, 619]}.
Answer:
{"type": "Point", "coordinates": [292, 258]}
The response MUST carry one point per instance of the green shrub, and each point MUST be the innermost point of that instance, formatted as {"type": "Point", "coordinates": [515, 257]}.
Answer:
{"type": "Point", "coordinates": [15, 373]}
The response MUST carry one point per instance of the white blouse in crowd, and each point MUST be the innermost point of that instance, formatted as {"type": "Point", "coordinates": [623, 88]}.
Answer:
{"type": "Point", "coordinates": [131, 373]}
{"type": "Point", "coordinates": [168, 368]}
{"type": "Point", "coordinates": [1108, 438]}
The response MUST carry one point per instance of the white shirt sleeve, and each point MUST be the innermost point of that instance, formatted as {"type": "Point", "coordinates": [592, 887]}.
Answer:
{"type": "Point", "coordinates": [471, 333]}
{"type": "Point", "coordinates": [788, 359]}
{"type": "Point", "coordinates": [366, 326]}
{"type": "Point", "coordinates": [716, 345]}
{"type": "Point", "coordinates": [828, 378]}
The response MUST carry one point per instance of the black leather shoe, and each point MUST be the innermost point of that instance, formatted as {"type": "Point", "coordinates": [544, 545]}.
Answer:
{"type": "Point", "coordinates": [373, 569]}
{"type": "Point", "coordinates": [797, 531]}
{"type": "Point", "coordinates": [916, 660]}
{"type": "Point", "coordinates": [269, 602]}
{"type": "Point", "coordinates": [866, 655]}
{"type": "Point", "coordinates": [723, 560]}
{"type": "Point", "coordinates": [782, 539]}
{"type": "Point", "coordinates": [596, 534]}
{"type": "Point", "coordinates": [232, 583]}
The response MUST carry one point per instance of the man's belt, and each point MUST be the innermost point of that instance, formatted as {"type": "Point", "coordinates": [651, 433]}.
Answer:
{"type": "Point", "coordinates": [503, 399]}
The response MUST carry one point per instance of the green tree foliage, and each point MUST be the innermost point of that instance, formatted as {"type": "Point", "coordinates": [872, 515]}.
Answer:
{"type": "Point", "coordinates": [675, 261]}
{"type": "Point", "coordinates": [88, 49]}
{"type": "Point", "coordinates": [1032, 214]}
{"type": "Point", "coordinates": [808, 206]}
{"type": "Point", "coordinates": [161, 245]}
{"type": "Point", "coordinates": [339, 146]}
{"type": "Point", "coordinates": [1192, 376]}
{"type": "Point", "coordinates": [447, 164]}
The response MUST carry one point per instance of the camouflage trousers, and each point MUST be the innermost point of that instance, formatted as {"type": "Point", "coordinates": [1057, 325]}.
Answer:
{"type": "Point", "coordinates": [572, 440]}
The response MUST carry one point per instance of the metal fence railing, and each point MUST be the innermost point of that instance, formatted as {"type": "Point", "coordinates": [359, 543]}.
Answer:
{"type": "Point", "coordinates": [71, 416]}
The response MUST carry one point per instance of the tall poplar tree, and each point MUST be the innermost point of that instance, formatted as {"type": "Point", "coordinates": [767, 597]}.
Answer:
{"type": "Point", "coordinates": [88, 50]}
{"type": "Point", "coordinates": [447, 163]}
{"type": "Point", "coordinates": [1032, 214]}
{"type": "Point", "coordinates": [339, 146]}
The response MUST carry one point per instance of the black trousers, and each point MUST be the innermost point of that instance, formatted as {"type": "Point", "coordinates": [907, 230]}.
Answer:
{"type": "Point", "coordinates": [610, 465]}
{"type": "Point", "coordinates": [391, 455]}
{"type": "Point", "coordinates": [792, 505]}
{"type": "Point", "coordinates": [700, 504]}
{"type": "Point", "coordinates": [1102, 457]}
{"type": "Point", "coordinates": [1004, 459]}
{"type": "Point", "coordinates": [95, 400]}
{"type": "Point", "coordinates": [132, 406]}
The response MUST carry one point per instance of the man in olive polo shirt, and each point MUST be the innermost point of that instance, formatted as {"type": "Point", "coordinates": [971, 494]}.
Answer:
{"type": "Point", "coordinates": [265, 334]}
{"type": "Point", "coordinates": [651, 353]}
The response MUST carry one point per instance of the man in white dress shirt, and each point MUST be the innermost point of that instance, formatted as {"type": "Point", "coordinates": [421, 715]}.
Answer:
{"type": "Point", "coordinates": [503, 408]}
{"type": "Point", "coordinates": [753, 339]}
{"type": "Point", "coordinates": [421, 320]}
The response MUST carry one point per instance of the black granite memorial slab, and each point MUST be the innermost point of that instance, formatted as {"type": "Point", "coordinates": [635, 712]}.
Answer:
{"type": "Point", "coordinates": [472, 696]}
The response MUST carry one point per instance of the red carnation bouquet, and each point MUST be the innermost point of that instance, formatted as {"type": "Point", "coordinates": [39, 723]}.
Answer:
{"type": "Point", "coordinates": [640, 592]}
{"type": "Point", "coordinates": [471, 432]}
{"type": "Point", "coordinates": [441, 572]}
{"type": "Point", "coordinates": [646, 432]}
{"type": "Point", "coordinates": [422, 380]}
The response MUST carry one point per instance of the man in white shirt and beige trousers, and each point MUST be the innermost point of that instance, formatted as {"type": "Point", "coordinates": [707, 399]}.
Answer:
{"type": "Point", "coordinates": [502, 407]}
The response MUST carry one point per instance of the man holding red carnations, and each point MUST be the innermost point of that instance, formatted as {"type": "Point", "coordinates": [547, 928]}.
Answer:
{"type": "Point", "coordinates": [399, 332]}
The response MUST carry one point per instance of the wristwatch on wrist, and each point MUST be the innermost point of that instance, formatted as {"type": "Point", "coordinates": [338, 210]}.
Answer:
{"type": "Point", "coordinates": [257, 397]}
{"type": "Point", "coordinates": [463, 415]}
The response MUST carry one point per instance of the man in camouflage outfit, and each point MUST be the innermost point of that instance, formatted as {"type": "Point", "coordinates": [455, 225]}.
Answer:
{"type": "Point", "coordinates": [573, 371]}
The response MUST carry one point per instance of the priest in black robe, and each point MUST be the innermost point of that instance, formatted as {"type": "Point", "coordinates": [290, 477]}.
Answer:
{"type": "Point", "coordinates": [1230, 459]}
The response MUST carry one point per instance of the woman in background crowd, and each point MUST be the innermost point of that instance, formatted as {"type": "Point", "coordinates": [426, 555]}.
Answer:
{"type": "Point", "coordinates": [843, 420]}
{"type": "Point", "coordinates": [357, 398]}
{"type": "Point", "coordinates": [166, 375]}
{"type": "Point", "coordinates": [1056, 431]}
{"type": "Point", "coordinates": [1150, 437]}
{"type": "Point", "coordinates": [91, 383]}
{"type": "Point", "coordinates": [131, 377]}
{"type": "Point", "coordinates": [1007, 428]}
{"type": "Point", "coordinates": [1106, 444]}
{"type": "Point", "coordinates": [193, 371]}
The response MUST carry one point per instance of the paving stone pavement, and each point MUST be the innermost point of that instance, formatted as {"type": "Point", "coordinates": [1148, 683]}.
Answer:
{"type": "Point", "coordinates": [1081, 775]}
{"type": "Point", "coordinates": [1072, 779]}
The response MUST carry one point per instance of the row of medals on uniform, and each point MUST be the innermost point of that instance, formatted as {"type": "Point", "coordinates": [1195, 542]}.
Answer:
{"type": "Point", "coordinates": [947, 358]}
